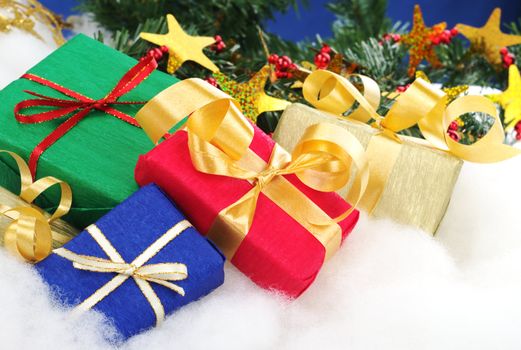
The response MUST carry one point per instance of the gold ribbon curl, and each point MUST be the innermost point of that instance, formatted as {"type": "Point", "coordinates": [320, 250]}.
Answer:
{"type": "Point", "coordinates": [421, 104]}
{"type": "Point", "coordinates": [29, 236]}
{"type": "Point", "coordinates": [219, 137]}
{"type": "Point", "coordinates": [163, 273]}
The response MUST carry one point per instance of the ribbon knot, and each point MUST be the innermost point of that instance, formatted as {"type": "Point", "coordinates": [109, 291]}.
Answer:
{"type": "Point", "coordinates": [79, 107]}
{"type": "Point", "coordinates": [162, 273]}
{"type": "Point", "coordinates": [130, 271]}
{"type": "Point", "coordinates": [265, 178]}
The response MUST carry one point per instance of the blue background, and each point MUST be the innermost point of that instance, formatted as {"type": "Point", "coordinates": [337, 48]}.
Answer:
{"type": "Point", "coordinates": [317, 20]}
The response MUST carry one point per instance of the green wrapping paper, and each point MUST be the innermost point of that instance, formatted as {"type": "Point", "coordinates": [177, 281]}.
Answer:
{"type": "Point", "coordinates": [97, 157]}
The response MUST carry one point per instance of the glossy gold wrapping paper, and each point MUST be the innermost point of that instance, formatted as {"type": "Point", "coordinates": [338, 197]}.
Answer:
{"type": "Point", "coordinates": [61, 231]}
{"type": "Point", "coordinates": [420, 185]}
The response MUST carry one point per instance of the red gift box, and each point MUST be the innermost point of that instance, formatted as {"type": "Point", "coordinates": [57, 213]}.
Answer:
{"type": "Point", "coordinates": [277, 253]}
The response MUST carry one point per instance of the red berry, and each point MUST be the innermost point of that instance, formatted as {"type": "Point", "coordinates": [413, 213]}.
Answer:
{"type": "Point", "coordinates": [273, 58]}
{"type": "Point", "coordinates": [219, 44]}
{"type": "Point", "coordinates": [212, 81]}
{"type": "Point", "coordinates": [454, 32]}
{"type": "Point", "coordinates": [445, 37]}
{"type": "Point", "coordinates": [402, 88]}
{"type": "Point", "coordinates": [396, 37]}
{"type": "Point", "coordinates": [454, 135]}
{"type": "Point", "coordinates": [325, 48]}
{"type": "Point", "coordinates": [435, 40]}
{"type": "Point", "coordinates": [518, 131]}
{"type": "Point", "coordinates": [282, 65]}
{"type": "Point", "coordinates": [453, 126]}
{"type": "Point", "coordinates": [322, 60]}
{"type": "Point", "coordinates": [287, 61]}
{"type": "Point", "coordinates": [508, 60]}
{"type": "Point", "coordinates": [503, 51]}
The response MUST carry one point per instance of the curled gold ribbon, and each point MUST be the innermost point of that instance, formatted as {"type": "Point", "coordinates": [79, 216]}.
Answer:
{"type": "Point", "coordinates": [29, 236]}
{"type": "Point", "coordinates": [421, 104]}
{"type": "Point", "coordinates": [163, 274]}
{"type": "Point", "coordinates": [219, 138]}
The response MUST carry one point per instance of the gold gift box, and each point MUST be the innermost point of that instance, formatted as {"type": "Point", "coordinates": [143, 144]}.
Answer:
{"type": "Point", "coordinates": [61, 231]}
{"type": "Point", "coordinates": [420, 186]}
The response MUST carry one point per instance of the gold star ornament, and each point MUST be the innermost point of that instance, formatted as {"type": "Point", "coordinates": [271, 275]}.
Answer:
{"type": "Point", "coordinates": [181, 46]}
{"type": "Point", "coordinates": [489, 39]}
{"type": "Point", "coordinates": [251, 95]}
{"type": "Point", "coordinates": [510, 99]}
{"type": "Point", "coordinates": [419, 42]}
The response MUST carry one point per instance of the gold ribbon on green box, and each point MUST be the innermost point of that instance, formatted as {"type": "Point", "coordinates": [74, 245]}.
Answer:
{"type": "Point", "coordinates": [421, 104]}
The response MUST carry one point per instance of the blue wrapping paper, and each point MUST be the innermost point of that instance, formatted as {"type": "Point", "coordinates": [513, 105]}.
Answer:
{"type": "Point", "coordinates": [131, 227]}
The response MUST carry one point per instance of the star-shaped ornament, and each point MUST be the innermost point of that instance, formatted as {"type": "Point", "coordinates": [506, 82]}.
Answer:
{"type": "Point", "coordinates": [251, 95]}
{"type": "Point", "coordinates": [419, 42]}
{"type": "Point", "coordinates": [489, 38]}
{"type": "Point", "coordinates": [181, 46]}
{"type": "Point", "coordinates": [510, 99]}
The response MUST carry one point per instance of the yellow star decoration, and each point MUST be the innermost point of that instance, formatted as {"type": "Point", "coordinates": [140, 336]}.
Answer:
{"type": "Point", "coordinates": [451, 92]}
{"type": "Point", "coordinates": [181, 46]}
{"type": "Point", "coordinates": [251, 95]}
{"type": "Point", "coordinates": [489, 38]}
{"type": "Point", "coordinates": [510, 99]}
{"type": "Point", "coordinates": [419, 41]}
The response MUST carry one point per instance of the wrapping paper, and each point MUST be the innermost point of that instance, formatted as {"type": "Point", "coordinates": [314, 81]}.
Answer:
{"type": "Point", "coordinates": [131, 227]}
{"type": "Point", "coordinates": [98, 155]}
{"type": "Point", "coordinates": [277, 253]}
{"type": "Point", "coordinates": [420, 185]}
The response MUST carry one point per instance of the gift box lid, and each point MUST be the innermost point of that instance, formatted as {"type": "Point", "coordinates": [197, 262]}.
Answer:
{"type": "Point", "coordinates": [98, 155]}
{"type": "Point", "coordinates": [132, 227]}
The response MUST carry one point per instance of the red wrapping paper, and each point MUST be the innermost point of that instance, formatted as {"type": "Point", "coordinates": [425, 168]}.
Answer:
{"type": "Point", "coordinates": [277, 253]}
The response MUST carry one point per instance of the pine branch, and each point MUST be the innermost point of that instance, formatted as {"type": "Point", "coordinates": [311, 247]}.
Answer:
{"type": "Point", "coordinates": [358, 20]}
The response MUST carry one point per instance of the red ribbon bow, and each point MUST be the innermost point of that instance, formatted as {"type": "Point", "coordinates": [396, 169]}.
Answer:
{"type": "Point", "coordinates": [81, 106]}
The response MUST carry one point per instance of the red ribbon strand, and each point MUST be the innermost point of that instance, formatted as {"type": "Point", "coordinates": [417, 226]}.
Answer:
{"type": "Point", "coordinates": [80, 106]}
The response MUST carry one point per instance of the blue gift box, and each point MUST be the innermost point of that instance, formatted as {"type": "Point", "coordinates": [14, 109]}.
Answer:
{"type": "Point", "coordinates": [133, 226]}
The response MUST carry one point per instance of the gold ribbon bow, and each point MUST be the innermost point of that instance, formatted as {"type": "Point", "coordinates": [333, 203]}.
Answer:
{"type": "Point", "coordinates": [219, 138]}
{"type": "Point", "coordinates": [29, 236]}
{"type": "Point", "coordinates": [142, 274]}
{"type": "Point", "coordinates": [421, 104]}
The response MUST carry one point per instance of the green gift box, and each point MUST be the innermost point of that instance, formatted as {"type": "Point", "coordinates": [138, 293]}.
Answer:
{"type": "Point", "coordinates": [96, 157]}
